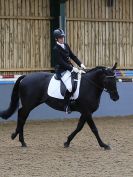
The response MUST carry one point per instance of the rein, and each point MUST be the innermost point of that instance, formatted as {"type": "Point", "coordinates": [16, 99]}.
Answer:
{"type": "Point", "coordinates": [102, 88]}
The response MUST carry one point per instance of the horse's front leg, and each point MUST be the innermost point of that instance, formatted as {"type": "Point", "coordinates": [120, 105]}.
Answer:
{"type": "Point", "coordinates": [80, 125]}
{"type": "Point", "coordinates": [95, 131]}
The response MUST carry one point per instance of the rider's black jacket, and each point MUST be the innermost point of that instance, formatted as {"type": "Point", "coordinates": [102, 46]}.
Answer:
{"type": "Point", "coordinates": [62, 57]}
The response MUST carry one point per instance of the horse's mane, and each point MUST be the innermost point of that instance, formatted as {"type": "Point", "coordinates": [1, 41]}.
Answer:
{"type": "Point", "coordinates": [95, 69]}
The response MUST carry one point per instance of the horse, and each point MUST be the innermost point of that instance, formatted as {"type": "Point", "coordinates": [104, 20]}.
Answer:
{"type": "Point", "coordinates": [31, 90]}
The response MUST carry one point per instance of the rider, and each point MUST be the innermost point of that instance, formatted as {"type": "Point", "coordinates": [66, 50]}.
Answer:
{"type": "Point", "coordinates": [63, 54]}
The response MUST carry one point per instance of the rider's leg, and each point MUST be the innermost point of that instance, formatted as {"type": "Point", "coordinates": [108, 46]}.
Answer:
{"type": "Point", "coordinates": [67, 102]}
{"type": "Point", "coordinates": [67, 82]}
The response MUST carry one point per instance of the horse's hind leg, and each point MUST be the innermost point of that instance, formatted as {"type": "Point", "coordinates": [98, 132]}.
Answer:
{"type": "Point", "coordinates": [14, 135]}
{"type": "Point", "coordinates": [80, 125]}
{"type": "Point", "coordinates": [22, 116]}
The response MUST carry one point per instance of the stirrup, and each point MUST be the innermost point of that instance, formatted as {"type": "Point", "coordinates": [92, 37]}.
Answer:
{"type": "Point", "coordinates": [68, 110]}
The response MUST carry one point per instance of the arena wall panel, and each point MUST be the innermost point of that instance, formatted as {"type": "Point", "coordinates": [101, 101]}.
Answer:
{"type": "Point", "coordinates": [99, 34]}
{"type": "Point", "coordinates": [24, 35]}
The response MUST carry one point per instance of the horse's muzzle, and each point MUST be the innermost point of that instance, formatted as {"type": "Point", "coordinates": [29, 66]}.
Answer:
{"type": "Point", "coordinates": [114, 96]}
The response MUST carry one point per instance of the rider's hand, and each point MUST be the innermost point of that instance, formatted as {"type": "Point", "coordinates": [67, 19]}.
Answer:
{"type": "Point", "coordinates": [81, 71]}
{"type": "Point", "coordinates": [76, 70]}
{"type": "Point", "coordinates": [82, 66]}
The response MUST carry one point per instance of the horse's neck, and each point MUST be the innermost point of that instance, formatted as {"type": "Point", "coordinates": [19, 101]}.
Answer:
{"type": "Point", "coordinates": [94, 83]}
{"type": "Point", "coordinates": [96, 79]}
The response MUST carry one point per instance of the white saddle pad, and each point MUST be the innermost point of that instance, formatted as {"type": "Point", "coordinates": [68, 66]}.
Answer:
{"type": "Point", "coordinates": [54, 88]}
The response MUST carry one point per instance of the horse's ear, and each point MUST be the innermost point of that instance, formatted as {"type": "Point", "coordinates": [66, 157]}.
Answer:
{"type": "Point", "coordinates": [115, 66]}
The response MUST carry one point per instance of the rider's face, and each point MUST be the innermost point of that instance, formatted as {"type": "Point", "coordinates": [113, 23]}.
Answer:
{"type": "Point", "coordinates": [61, 40]}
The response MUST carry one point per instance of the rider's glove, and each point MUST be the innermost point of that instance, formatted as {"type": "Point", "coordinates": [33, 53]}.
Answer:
{"type": "Point", "coordinates": [82, 66]}
{"type": "Point", "coordinates": [81, 71]}
{"type": "Point", "coordinates": [76, 70]}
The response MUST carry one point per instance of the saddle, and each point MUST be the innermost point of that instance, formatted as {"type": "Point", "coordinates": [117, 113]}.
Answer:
{"type": "Point", "coordinates": [57, 88]}
{"type": "Point", "coordinates": [74, 80]}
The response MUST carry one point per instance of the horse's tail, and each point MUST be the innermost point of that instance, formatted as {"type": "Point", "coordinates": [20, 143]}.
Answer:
{"type": "Point", "coordinates": [14, 100]}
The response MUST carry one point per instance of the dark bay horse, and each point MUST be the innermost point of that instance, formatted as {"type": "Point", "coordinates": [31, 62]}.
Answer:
{"type": "Point", "coordinates": [31, 89]}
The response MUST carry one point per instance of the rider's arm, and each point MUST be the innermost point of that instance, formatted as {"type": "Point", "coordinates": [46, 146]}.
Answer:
{"type": "Point", "coordinates": [73, 57]}
{"type": "Point", "coordinates": [61, 61]}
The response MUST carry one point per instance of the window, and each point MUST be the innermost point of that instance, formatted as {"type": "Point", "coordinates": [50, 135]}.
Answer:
{"type": "Point", "coordinates": [109, 3]}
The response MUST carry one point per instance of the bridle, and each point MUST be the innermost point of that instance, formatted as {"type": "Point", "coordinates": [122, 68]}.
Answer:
{"type": "Point", "coordinates": [106, 90]}
{"type": "Point", "coordinates": [103, 88]}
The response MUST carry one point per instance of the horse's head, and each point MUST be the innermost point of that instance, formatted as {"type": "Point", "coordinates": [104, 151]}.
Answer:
{"type": "Point", "coordinates": [109, 82]}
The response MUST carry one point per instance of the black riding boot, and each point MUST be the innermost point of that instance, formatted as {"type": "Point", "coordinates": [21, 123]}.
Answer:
{"type": "Point", "coordinates": [67, 102]}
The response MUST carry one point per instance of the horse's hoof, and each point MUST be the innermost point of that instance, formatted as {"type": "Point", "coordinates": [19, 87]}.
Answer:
{"type": "Point", "coordinates": [107, 147]}
{"type": "Point", "coordinates": [13, 136]}
{"type": "Point", "coordinates": [66, 145]}
{"type": "Point", "coordinates": [24, 145]}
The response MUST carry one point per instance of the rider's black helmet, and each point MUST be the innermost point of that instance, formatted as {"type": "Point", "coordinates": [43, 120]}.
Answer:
{"type": "Point", "coordinates": [58, 33]}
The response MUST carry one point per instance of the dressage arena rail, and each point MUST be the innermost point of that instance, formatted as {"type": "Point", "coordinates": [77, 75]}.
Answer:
{"type": "Point", "coordinates": [122, 76]}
